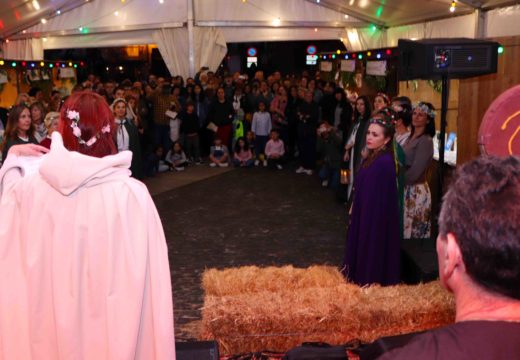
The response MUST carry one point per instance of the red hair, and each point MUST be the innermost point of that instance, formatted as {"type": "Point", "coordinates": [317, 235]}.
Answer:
{"type": "Point", "coordinates": [94, 114]}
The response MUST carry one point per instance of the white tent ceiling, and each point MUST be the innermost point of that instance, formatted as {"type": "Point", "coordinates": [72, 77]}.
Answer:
{"type": "Point", "coordinates": [104, 23]}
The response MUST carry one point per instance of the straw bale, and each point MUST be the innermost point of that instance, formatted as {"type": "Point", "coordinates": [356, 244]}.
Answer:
{"type": "Point", "coordinates": [250, 279]}
{"type": "Point", "coordinates": [281, 319]}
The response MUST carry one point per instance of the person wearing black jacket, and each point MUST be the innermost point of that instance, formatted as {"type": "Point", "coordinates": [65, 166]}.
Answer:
{"type": "Point", "coordinates": [190, 128]}
{"type": "Point", "coordinates": [307, 113]}
{"type": "Point", "coordinates": [221, 114]}
{"type": "Point", "coordinates": [342, 115]}
{"type": "Point", "coordinates": [328, 103]}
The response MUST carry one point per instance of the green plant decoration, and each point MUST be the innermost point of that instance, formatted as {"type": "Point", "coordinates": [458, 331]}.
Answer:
{"type": "Point", "coordinates": [436, 85]}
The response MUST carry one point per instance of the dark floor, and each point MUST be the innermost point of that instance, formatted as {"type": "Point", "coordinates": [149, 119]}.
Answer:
{"type": "Point", "coordinates": [246, 217]}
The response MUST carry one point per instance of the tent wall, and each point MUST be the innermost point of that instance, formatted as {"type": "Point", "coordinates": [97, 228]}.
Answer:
{"type": "Point", "coordinates": [25, 49]}
{"type": "Point", "coordinates": [114, 39]}
{"type": "Point", "coordinates": [460, 26]}
{"type": "Point", "coordinates": [233, 34]}
{"type": "Point", "coordinates": [503, 22]}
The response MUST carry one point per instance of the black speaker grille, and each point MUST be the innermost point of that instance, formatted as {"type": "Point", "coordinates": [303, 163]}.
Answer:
{"type": "Point", "coordinates": [470, 58]}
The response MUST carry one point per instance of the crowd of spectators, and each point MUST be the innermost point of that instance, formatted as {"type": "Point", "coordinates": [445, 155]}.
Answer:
{"type": "Point", "coordinates": [170, 124]}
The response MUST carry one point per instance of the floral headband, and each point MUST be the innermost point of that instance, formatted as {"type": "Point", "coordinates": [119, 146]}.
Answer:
{"type": "Point", "coordinates": [387, 120]}
{"type": "Point", "coordinates": [74, 117]}
{"type": "Point", "coordinates": [425, 109]}
{"type": "Point", "coordinates": [384, 96]}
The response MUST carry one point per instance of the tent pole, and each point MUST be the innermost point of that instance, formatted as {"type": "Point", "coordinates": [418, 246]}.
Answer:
{"type": "Point", "coordinates": [190, 38]}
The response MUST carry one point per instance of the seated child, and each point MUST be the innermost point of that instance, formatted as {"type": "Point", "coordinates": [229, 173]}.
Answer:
{"type": "Point", "coordinates": [275, 151]}
{"type": "Point", "coordinates": [250, 139]}
{"type": "Point", "coordinates": [154, 164]}
{"type": "Point", "coordinates": [242, 156]}
{"type": "Point", "coordinates": [176, 157]}
{"type": "Point", "coordinates": [218, 154]}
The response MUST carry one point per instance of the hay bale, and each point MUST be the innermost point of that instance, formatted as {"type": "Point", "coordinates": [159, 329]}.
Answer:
{"type": "Point", "coordinates": [281, 319]}
{"type": "Point", "coordinates": [252, 279]}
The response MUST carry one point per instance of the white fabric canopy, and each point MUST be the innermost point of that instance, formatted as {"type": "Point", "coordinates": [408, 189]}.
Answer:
{"type": "Point", "coordinates": [461, 26]}
{"type": "Point", "coordinates": [26, 49]}
{"type": "Point", "coordinates": [503, 22]}
{"type": "Point", "coordinates": [362, 39]}
{"type": "Point", "coordinates": [209, 45]}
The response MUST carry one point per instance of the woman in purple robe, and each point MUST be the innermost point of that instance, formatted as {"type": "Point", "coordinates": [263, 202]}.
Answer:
{"type": "Point", "coordinates": [373, 241]}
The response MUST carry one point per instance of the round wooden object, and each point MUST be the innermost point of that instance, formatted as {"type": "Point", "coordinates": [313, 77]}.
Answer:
{"type": "Point", "coordinates": [499, 133]}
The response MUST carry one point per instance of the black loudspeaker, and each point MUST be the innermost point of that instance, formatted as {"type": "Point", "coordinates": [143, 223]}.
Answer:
{"type": "Point", "coordinates": [197, 350]}
{"type": "Point", "coordinates": [454, 58]}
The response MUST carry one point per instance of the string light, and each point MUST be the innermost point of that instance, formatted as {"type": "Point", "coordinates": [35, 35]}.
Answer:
{"type": "Point", "coordinates": [58, 12]}
{"type": "Point", "coordinates": [44, 21]}
{"type": "Point", "coordinates": [453, 5]}
{"type": "Point", "coordinates": [2, 62]}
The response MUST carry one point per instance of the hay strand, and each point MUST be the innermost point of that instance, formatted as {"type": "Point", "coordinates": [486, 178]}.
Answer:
{"type": "Point", "coordinates": [248, 318]}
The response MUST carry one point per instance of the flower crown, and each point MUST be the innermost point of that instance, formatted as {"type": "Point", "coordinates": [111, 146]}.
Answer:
{"type": "Point", "coordinates": [74, 117]}
{"type": "Point", "coordinates": [425, 109]}
{"type": "Point", "coordinates": [388, 118]}
{"type": "Point", "coordinates": [384, 96]}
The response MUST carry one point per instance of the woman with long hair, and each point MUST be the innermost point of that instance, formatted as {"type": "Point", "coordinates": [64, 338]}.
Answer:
{"type": "Point", "coordinates": [356, 138]}
{"type": "Point", "coordinates": [37, 116]}
{"type": "Point", "coordinates": [89, 278]}
{"type": "Point", "coordinates": [19, 129]}
{"type": "Point", "coordinates": [418, 151]}
{"type": "Point", "coordinates": [373, 241]}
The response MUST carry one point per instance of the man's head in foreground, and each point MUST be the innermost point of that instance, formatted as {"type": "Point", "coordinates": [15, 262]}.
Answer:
{"type": "Point", "coordinates": [479, 237]}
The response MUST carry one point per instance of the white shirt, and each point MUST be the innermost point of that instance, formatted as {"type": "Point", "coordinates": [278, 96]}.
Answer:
{"type": "Point", "coordinates": [123, 140]}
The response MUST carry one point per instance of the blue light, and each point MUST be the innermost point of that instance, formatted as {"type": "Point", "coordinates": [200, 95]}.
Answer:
{"type": "Point", "coordinates": [346, 56]}
{"type": "Point", "coordinates": [378, 56]}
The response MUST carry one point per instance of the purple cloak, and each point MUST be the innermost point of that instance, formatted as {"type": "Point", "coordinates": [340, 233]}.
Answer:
{"type": "Point", "coordinates": [373, 240]}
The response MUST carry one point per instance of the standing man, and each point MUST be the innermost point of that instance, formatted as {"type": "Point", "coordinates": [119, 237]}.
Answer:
{"type": "Point", "coordinates": [307, 114]}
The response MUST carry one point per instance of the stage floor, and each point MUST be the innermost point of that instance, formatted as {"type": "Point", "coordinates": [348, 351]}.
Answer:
{"type": "Point", "coordinates": [245, 217]}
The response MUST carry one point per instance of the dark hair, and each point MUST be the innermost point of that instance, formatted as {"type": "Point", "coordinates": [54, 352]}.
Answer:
{"type": "Point", "coordinates": [40, 106]}
{"type": "Point", "coordinates": [406, 113]}
{"type": "Point", "coordinates": [368, 108]}
{"type": "Point", "coordinates": [237, 147]}
{"type": "Point", "coordinates": [11, 130]}
{"type": "Point", "coordinates": [33, 91]}
{"type": "Point", "coordinates": [481, 210]}
{"type": "Point", "coordinates": [388, 116]}
{"type": "Point", "coordinates": [430, 126]}
{"type": "Point", "coordinates": [176, 143]}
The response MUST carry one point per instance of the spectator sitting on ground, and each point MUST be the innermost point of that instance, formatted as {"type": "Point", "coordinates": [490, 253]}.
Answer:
{"type": "Point", "coordinates": [479, 262]}
{"type": "Point", "coordinates": [154, 164]}
{"type": "Point", "coordinates": [219, 154]}
{"type": "Point", "coordinates": [242, 156]}
{"type": "Point", "coordinates": [275, 151]}
{"type": "Point", "coordinates": [176, 157]}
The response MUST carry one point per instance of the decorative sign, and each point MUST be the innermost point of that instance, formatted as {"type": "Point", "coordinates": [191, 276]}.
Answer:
{"type": "Point", "coordinates": [66, 73]}
{"type": "Point", "coordinates": [311, 59]}
{"type": "Point", "coordinates": [499, 133]}
{"type": "Point", "coordinates": [312, 49]}
{"type": "Point", "coordinates": [252, 60]}
{"type": "Point", "coordinates": [251, 52]}
{"type": "Point", "coordinates": [348, 65]}
{"type": "Point", "coordinates": [326, 66]}
{"type": "Point", "coordinates": [376, 68]}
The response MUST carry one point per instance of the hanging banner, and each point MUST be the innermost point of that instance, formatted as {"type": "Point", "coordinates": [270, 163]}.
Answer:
{"type": "Point", "coordinates": [348, 65]}
{"type": "Point", "coordinates": [326, 66]}
{"type": "Point", "coordinates": [377, 68]}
